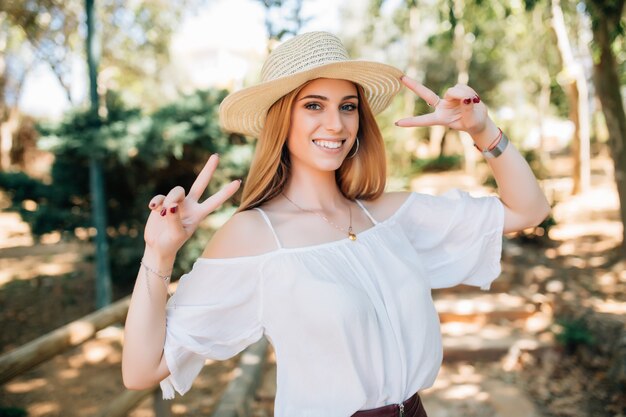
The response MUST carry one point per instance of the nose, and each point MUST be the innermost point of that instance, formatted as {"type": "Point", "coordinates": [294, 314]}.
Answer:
{"type": "Point", "coordinates": [332, 121]}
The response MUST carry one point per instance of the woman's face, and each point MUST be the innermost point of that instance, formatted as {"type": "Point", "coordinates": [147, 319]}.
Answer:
{"type": "Point", "coordinates": [324, 124]}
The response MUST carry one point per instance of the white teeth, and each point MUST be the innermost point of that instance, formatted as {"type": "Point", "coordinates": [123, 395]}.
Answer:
{"type": "Point", "coordinates": [328, 144]}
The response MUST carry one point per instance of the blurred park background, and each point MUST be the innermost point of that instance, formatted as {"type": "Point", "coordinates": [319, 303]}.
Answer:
{"type": "Point", "coordinates": [106, 103]}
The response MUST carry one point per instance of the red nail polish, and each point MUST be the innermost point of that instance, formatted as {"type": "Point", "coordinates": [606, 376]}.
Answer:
{"type": "Point", "coordinates": [467, 100]}
{"type": "Point", "coordinates": [152, 205]}
{"type": "Point", "coordinates": [173, 209]}
{"type": "Point", "coordinates": [163, 212]}
{"type": "Point", "coordinates": [476, 99]}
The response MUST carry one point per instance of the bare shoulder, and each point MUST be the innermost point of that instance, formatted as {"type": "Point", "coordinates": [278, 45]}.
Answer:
{"type": "Point", "coordinates": [387, 204]}
{"type": "Point", "coordinates": [244, 234]}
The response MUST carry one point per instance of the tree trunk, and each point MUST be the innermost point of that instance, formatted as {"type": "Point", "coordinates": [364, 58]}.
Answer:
{"type": "Point", "coordinates": [4, 139]}
{"type": "Point", "coordinates": [463, 55]}
{"type": "Point", "coordinates": [607, 84]}
{"type": "Point", "coordinates": [9, 115]}
{"type": "Point", "coordinates": [437, 135]}
{"type": "Point", "coordinates": [8, 128]}
{"type": "Point", "coordinates": [573, 97]}
{"type": "Point", "coordinates": [104, 291]}
{"type": "Point", "coordinates": [543, 106]}
{"type": "Point", "coordinates": [462, 49]}
{"type": "Point", "coordinates": [575, 85]}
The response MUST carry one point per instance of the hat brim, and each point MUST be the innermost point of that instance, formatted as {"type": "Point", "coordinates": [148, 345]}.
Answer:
{"type": "Point", "coordinates": [244, 111]}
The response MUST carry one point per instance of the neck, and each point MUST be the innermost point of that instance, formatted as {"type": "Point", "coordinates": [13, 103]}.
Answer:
{"type": "Point", "coordinates": [314, 190]}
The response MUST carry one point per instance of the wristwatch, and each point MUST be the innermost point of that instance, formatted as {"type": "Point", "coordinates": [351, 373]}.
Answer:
{"type": "Point", "coordinates": [497, 150]}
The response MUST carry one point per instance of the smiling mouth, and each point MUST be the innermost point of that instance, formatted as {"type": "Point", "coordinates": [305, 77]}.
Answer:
{"type": "Point", "coordinates": [329, 144]}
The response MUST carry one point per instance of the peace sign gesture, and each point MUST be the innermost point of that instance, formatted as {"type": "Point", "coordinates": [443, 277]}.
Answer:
{"type": "Point", "coordinates": [175, 217]}
{"type": "Point", "coordinates": [460, 108]}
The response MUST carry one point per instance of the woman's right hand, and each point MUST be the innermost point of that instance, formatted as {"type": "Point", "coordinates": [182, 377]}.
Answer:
{"type": "Point", "coordinates": [175, 217]}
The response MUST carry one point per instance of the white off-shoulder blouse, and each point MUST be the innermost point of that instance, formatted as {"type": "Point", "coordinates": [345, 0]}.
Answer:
{"type": "Point", "coordinates": [352, 323]}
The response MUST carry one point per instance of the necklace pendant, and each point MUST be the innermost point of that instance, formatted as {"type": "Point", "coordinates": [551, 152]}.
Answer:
{"type": "Point", "coordinates": [352, 236]}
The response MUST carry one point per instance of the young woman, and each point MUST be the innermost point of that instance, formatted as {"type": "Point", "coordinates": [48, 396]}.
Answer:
{"type": "Point", "coordinates": [336, 273]}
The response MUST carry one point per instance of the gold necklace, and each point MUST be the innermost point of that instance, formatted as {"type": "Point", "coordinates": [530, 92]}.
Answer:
{"type": "Point", "coordinates": [351, 234]}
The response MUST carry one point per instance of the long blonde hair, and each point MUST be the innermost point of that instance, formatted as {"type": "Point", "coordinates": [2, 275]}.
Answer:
{"type": "Point", "coordinates": [361, 177]}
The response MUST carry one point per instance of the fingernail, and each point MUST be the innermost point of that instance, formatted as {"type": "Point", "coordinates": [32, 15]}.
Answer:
{"type": "Point", "coordinates": [163, 212]}
{"type": "Point", "coordinates": [152, 205]}
{"type": "Point", "coordinates": [216, 155]}
{"type": "Point", "coordinates": [240, 180]}
{"type": "Point", "coordinates": [476, 99]}
{"type": "Point", "coordinates": [173, 209]}
{"type": "Point", "coordinates": [467, 100]}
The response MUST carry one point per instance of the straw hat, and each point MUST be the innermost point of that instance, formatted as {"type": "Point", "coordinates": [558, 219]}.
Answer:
{"type": "Point", "coordinates": [300, 59]}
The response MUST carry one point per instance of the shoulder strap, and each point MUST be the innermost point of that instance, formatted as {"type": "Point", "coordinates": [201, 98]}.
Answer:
{"type": "Point", "coordinates": [269, 223]}
{"type": "Point", "coordinates": [366, 212]}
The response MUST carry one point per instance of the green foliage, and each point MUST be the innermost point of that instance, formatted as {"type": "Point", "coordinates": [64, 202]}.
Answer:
{"type": "Point", "coordinates": [571, 333]}
{"type": "Point", "coordinates": [438, 164]}
{"type": "Point", "coordinates": [143, 155]}
{"type": "Point", "coordinates": [283, 17]}
{"type": "Point", "coordinates": [558, 99]}
{"type": "Point", "coordinates": [536, 163]}
{"type": "Point", "coordinates": [83, 133]}
{"type": "Point", "coordinates": [609, 12]}
{"type": "Point", "coordinates": [55, 211]}
{"type": "Point", "coordinates": [134, 40]}
{"type": "Point", "coordinates": [12, 412]}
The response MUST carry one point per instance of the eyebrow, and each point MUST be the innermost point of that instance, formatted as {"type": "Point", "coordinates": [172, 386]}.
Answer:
{"type": "Point", "coordinates": [326, 98]}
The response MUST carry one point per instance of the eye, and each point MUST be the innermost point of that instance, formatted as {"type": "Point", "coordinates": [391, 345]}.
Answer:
{"type": "Point", "coordinates": [313, 106]}
{"type": "Point", "coordinates": [348, 107]}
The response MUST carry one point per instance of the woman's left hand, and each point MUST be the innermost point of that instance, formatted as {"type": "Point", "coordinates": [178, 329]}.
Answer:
{"type": "Point", "coordinates": [460, 108]}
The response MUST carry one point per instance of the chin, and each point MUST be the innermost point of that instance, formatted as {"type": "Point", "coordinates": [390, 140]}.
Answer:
{"type": "Point", "coordinates": [318, 163]}
{"type": "Point", "coordinates": [329, 165]}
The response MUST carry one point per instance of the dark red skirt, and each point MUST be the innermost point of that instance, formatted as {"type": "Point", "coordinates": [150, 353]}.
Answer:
{"type": "Point", "coordinates": [410, 408]}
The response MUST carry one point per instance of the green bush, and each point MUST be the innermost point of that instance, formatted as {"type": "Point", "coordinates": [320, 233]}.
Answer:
{"type": "Point", "coordinates": [13, 412]}
{"type": "Point", "coordinates": [571, 333]}
{"type": "Point", "coordinates": [438, 164]}
{"type": "Point", "coordinates": [142, 155]}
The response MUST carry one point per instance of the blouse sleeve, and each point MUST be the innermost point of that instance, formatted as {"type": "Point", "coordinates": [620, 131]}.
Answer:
{"type": "Point", "coordinates": [457, 237]}
{"type": "Point", "coordinates": [214, 314]}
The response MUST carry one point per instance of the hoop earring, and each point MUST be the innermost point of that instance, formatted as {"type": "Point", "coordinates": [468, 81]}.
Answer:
{"type": "Point", "coordinates": [357, 149]}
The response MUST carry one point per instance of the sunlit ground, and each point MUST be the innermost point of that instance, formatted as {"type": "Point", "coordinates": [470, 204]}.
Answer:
{"type": "Point", "coordinates": [87, 379]}
{"type": "Point", "coordinates": [580, 262]}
